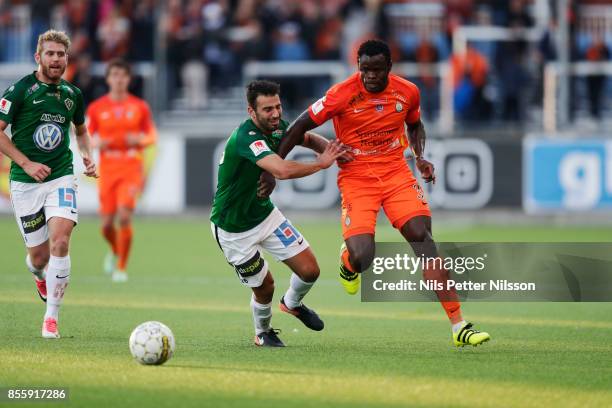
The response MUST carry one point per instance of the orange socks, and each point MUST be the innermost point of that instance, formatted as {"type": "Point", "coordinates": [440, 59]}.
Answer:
{"type": "Point", "coordinates": [110, 235]}
{"type": "Point", "coordinates": [345, 261]}
{"type": "Point", "coordinates": [124, 243]}
{"type": "Point", "coordinates": [448, 298]}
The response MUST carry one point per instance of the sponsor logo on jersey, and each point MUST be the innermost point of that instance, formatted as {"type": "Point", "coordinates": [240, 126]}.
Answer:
{"type": "Point", "coordinates": [379, 108]}
{"type": "Point", "coordinates": [5, 106]}
{"type": "Point", "coordinates": [32, 89]}
{"type": "Point", "coordinates": [277, 133]}
{"type": "Point", "coordinates": [258, 147]}
{"type": "Point", "coordinates": [48, 136]}
{"type": "Point", "coordinates": [48, 117]}
{"type": "Point", "coordinates": [33, 222]}
{"type": "Point", "coordinates": [318, 106]}
{"type": "Point", "coordinates": [69, 104]}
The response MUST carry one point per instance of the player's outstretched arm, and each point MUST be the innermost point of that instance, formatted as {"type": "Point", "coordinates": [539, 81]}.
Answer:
{"type": "Point", "coordinates": [416, 134]}
{"type": "Point", "coordinates": [294, 136]}
{"type": "Point", "coordinates": [84, 143]}
{"type": "Point", "coordinates": [318, 143]}
{"type": "Point", "coordinates": [295, 133]}
{"type": "Point", "coordinates": [288, 169]}
{"type": "Point", "coordinates": [37, 171]}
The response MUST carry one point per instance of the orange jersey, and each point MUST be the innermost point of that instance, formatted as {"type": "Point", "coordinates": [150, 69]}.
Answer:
{"type": "Point", "coordinates": [113, 121]}
{"type": "Point", "coordinates": [372, 125]}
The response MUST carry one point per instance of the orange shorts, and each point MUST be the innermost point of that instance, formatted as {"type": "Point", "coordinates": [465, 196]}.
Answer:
{"type": "Point", "coordinates": [366, 189]}
{"type": "Point", "coordinates": [118, 190]}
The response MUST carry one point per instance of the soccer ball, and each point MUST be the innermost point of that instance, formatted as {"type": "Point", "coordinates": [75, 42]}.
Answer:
{"type": "Point", "coordinates": [152, 343]}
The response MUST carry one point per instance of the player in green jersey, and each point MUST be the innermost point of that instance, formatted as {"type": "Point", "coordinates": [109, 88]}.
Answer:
{"type": "Point", "coordinates": [40, 108]}
{"type": "Point", "coordinates": [243, 223]}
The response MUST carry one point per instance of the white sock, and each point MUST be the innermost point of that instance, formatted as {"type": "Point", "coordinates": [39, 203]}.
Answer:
{"type": "Point", "coordinates": [457, 326]}
{"type": "Point", "coordinates": [58, 276]}
{"type": "Point", "coordinates": [39, 273]}
{"type": "Point", "coordinates": [262, 314]}
{"type": "Point", "coordinates": [296, 292]}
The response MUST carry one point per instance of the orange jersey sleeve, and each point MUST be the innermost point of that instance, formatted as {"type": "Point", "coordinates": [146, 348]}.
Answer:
{"type": "Point", "coordinates": [372, 125]}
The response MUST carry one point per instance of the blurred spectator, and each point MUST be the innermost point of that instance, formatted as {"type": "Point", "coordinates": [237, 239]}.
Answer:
{"type": "Point", "coordinates": [426, 54]}
{"type": "Point", "coordinates": [5, 19]}
{"type": "Point", "coordinates": [513, 78]}
{"type": "Point", "coordinates": [113, 33]}
{"type": "Point", "coordinates": [218, 57]}
{"type": "Point", "coordinates": [40, 16]}
{"type": "Point", "coordinates": [142, 22]}
{"type": "Point", "coordinates": [596, 84]}
{"type": "Point", "coordinates": [469, 74]}
{"type": "Point", "coordinates": [81, 76]}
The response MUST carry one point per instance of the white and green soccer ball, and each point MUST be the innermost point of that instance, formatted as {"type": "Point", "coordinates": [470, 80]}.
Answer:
{"type": "Point", "coordinates": [152, 343]}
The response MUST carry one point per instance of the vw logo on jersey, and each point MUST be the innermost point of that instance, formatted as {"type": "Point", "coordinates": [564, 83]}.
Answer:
{"type": "Point", "coordinates": [48, 136]}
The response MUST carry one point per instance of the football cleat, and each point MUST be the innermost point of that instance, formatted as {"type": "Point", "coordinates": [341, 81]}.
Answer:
{"type": "Point", "coordinates": [110, 263]}
{"type": "Point", "coordinates": [49, 329]}
{"type": "Point", "coordinates": [307, 316]}
{"type": "Point", "coordinates": [41, 288]}
{"type": "Point", "coordinates": [466, 336]}
{"type": "Point", "coordinates": [119, 276]}
{"type": "Point", "coordinates": [350, 280]}
{"type": "Point", "coordinates": [269, 339]}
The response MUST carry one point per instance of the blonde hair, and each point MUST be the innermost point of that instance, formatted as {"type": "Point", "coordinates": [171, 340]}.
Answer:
{"type": "Point", "coordinates": [53, 36]}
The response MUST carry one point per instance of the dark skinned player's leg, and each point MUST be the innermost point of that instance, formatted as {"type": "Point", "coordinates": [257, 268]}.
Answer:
{"type": "Point", "coordinates": [360, 252]}
{"type": "Point", "coordinates": [356, 255]}
{"type": "Point", "coordinates": [417, 231]}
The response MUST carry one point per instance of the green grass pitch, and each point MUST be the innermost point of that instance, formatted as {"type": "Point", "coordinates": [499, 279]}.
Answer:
{"type": "Point", "coordinates": [369, 355]}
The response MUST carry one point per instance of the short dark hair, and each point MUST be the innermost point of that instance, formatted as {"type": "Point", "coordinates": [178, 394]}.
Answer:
{"type": "Point", "coordinates": [118, 63]}
{"type": "Point", "coordinates": [260, 87]}
{"type": "Point", "coordinates": [374, 47]}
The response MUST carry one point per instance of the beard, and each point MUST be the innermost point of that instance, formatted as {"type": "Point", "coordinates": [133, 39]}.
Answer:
{"type": "Point", "coordinates": [267, 125]}
{"type": "Point", "coordinates": [46, 70]}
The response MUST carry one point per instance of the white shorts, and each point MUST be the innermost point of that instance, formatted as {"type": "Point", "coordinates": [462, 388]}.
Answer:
{"type": "Point", "coordinates": [275, 234]}
{"type": "Point", "coordinates": [36, 203]}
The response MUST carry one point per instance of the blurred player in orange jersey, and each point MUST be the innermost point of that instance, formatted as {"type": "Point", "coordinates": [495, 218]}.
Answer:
{"type": "Point", "coordinates": [371, 111]}
{"type": "Point", "coordinates": [123, 127]}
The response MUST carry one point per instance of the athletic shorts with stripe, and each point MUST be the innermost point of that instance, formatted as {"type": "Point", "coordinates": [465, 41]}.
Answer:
{"type": "Point", "coordinates": [242, 250]}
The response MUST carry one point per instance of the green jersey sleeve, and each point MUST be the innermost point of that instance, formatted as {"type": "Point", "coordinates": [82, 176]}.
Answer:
{"type": "Point", "coordinates": [10, 102]}
{"type": "Point", "coordinates": [79, 111]}
{"type": "Point", "coordinates": [253, 146]}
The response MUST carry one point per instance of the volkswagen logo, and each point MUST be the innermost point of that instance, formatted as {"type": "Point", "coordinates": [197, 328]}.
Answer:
{"type": "Point", "coordinates": [48, 136]}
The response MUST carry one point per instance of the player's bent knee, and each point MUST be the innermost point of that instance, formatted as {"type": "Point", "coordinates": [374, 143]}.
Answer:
{"type": "Point", "coordinates": [125, 221]}
{"type": "Point", "coordinates": [39, 259]}
{"type": "Point", "coordinates": [60, 245]}
{"type": "Point", "coordinates": [361, 258]}
{"type": "Point", "coordinates": [310, 273]}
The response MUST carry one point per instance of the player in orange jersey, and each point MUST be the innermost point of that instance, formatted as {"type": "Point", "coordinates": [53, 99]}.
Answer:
{"type": "Point", "coordinates": [370, 111]}
{"type": "Point", "coordinates": [124, 128]}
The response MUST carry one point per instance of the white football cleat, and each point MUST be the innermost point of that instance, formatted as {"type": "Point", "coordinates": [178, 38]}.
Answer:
{"type": "Point", "coordinates": [49, 329]}
{"type": "Point", "coordinates": [110, 263]}
{"type": "Point", "coordinates": [119, 276]}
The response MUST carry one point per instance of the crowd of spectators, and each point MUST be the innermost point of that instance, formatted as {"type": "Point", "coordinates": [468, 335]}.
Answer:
{"type": "Point", "coordinates": [205, 43]}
